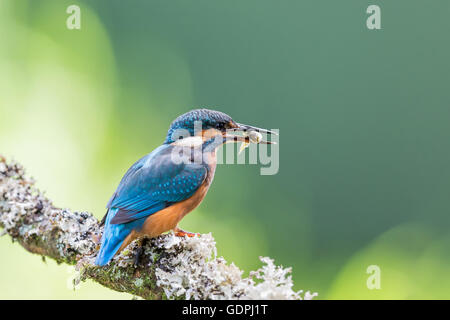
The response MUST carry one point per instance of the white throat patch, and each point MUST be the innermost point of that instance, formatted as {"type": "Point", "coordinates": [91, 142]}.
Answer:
{"type": "Point", "coordinates": [192, 142]}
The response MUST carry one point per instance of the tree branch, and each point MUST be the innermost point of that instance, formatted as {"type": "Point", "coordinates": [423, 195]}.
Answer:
{"type": "Point", "coordinates": [170, 267]}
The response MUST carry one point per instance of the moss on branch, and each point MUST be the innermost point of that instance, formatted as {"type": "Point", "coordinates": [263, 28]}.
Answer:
{"type": "Point", "coordinates": [171, 267]}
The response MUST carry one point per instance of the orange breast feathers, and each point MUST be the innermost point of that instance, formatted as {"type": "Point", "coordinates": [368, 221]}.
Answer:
{"type": "Point", "coordinates": [168, 218]}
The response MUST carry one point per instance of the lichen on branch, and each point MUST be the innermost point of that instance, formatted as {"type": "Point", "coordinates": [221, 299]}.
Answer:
{"type": "Point", "coordinates": [170, 267]}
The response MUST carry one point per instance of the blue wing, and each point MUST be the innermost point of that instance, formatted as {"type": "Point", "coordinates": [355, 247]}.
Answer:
{"type": "Point", "coordinates": [154, 183]}
{"type": "Point", "coordinates": [150, 185]}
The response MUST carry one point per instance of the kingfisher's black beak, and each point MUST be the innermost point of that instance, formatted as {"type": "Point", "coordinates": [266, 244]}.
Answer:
{"type": "Point", "coordinates": [244, 128]}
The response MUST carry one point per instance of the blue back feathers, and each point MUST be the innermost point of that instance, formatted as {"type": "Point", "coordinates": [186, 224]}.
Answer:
{"type": "Point", "coordinates": [150, 185]}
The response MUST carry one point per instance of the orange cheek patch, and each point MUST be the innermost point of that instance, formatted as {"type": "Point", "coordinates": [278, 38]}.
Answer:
{"type": "Point", "coordinates": [232, 124]}
{"type": "Point", "coordinates": [210, 134]}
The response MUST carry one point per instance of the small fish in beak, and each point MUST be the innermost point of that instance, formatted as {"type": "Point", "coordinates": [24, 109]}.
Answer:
{"type": "Point", "coordinates": [254, 137]}
{"type": "Point", "coordinates": [249, 135]}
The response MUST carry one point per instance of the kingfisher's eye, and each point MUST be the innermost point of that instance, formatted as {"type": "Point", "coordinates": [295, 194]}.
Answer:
{"type": "Point", "coordinates": [218, 126]}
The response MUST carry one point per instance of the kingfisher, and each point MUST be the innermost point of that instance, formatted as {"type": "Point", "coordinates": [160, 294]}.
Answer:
{"type": "Point", "coordinates": [165, 185]}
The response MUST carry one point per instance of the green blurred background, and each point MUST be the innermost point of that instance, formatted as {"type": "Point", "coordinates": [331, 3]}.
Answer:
{"type": "Point", "coordinates": [363, 116]}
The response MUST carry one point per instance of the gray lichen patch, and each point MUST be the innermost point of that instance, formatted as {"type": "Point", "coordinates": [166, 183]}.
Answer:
{"type": "Point", "coordinates": [188, 268]}
{"type": "Point", "coordinates": [170, 267]}
{"type": "Point", "coordinates": [30, 218]}
{"type": "Point", "coordinates": [192, 270]}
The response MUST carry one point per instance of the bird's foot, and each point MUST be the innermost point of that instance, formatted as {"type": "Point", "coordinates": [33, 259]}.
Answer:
{"type": "Point", "coordinates": [181, 233]}
{"type": "Point", "coordinates": [139, 252]}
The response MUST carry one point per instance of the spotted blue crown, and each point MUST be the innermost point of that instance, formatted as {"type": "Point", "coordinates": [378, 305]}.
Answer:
{"type": "Point", "coordinates": [208, 118]}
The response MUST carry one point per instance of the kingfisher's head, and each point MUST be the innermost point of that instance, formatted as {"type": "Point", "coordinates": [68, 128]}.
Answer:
{"type": "Point", "coordinates": [209, 125]}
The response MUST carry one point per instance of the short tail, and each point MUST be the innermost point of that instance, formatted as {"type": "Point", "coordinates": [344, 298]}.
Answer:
{"type": "Point", "coordinates": [112, 239]}
{"type": "Point", "coordinates": [114, 235]}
